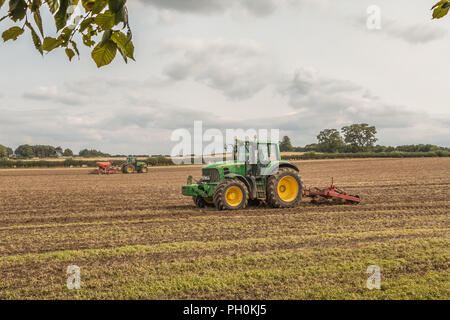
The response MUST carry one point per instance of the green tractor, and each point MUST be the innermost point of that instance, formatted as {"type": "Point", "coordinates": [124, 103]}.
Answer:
{"type": "Point", "coordinates": [132, 166]}
{"type": "Point", "coordinates": [255, 174]}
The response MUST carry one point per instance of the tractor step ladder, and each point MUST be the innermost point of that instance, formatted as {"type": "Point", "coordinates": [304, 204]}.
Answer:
{"type": "Point", "coordinates": [260, 189]}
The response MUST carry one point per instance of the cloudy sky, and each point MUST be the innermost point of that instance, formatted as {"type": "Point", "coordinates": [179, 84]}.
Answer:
{"type": "Point", "coordinates": [294, 65]}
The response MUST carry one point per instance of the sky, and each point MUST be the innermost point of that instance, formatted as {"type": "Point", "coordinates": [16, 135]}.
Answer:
{"type": "Point", "coordinates": [295, 65]}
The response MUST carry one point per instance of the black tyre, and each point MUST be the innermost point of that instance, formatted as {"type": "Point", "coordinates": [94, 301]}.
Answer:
{"type": "Point", "coordinates": [143, 169]}
{"type": "Point", "coordinates": [199, 202]}
{"type": "Point", "coordinates": [128, 168]}
{"type": "Point", "coordinates": [284, 189]}
{"type": "Point", "coordinates": [231, 194]}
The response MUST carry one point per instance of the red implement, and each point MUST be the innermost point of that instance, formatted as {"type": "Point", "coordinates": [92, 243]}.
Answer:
{"type": "Point", "coordinates": [104, 168]}
{"type": "Point", "coordinates": [331, 194]}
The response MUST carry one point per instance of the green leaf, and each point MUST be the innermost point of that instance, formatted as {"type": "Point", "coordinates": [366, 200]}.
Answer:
{"type": "Point", "coordinates": [35, 5]}
{"type": "Point", "coordinates": [50, 43]}
{"type": "Point", "coordinates": [36, 40]}
{"type": "Point", "coordinates": [12, 33]}
{"type": "Point", "coordinates": [88, 4]}
{"type": "Point", "coordinates": [53, 5]}
{"type": "Point", "coordinates": [75, 47]}
{"type": "Point", "coordinates": [123, 43]}
{"type": "Point", "coordinates": [116, 5]}
{"type": "Point", "coordinates": [85, 23]}
{"type": "Point", "coordinates": [87, 41]}
{"type": "Point", "coordinates": [1, 3]}
{"type": "Point", "coordinates": [63, 15]}
{"type": "Point", "coordinates": [17, 9]}
{"type": "Point", "coordinates": [105, 20]}
{"type": "Point", "coordinates": [70, 54]}
{"type": "Point", "coordinates": [124, 56]}
{"type": "Point", "coordinates": [99, 6]}
{"type": "Point", "coordinates": [106, 36]}
{"type": "Point", "coordinates": [441, 9]}
{"type": "Point", "coordinates": [104, 55]}
{"type": "Point", "coordinates": [38, 20]}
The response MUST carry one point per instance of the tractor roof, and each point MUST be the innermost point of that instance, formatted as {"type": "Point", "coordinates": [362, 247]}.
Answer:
{"type": "Point", "coordinates": [257, 141]}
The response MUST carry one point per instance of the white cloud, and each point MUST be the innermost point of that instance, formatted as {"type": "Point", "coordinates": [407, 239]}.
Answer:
{"type": "Point", "coordinates": [239, 69]}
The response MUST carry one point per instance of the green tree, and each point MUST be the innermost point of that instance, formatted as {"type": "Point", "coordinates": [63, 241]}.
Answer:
{"type": "Point", "coordinates": [44, 151]}
{"type": "Point", "coordinates": [99, 22]}
{"type": "Point", "coordinates": [92, 153]}
{"type": "Point", "coordinates": [59, 151]}
{"type": "Point", "coordinates": [359, 137]}
{"type": "Point", "coordinates": [5, 152]}
{"type": "Point", "coordinates": [330, 140]}
{"type": "Point", "coordinates": [24, 151]}
{"type": "Point", "coordinates": [67, 153]}
{"type": "Point", "coordinates": [441, 9]}
{"type": "Point", "coordinates": [286, 145]}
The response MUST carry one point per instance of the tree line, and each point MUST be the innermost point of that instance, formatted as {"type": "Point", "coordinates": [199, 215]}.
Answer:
{"type": "Point", "coordinates": [27, 151]}
{"type": "Point", "coordinates": [34, 151]}
{"type": "Point", "coordinates": [355, 138]}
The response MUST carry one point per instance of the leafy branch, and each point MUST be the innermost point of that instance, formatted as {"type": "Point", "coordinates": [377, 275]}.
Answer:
{"type": "Point", "coordinates": [102, 24]}
{"type": "Point", "coordinates": [441, 9]}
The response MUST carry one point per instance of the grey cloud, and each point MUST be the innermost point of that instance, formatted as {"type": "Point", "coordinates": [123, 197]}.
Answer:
{"type": "Point", "coordinates": [258, 7]}
{"type": "Point", "coordinates": [321, 102]}
{"type": "Point", "coordinates": [53, 93]}
{"type": "Point", "coordinates": [414, 34]}
{"type": "Point", "coordinates": [419, 33]}
{"type": "Point", "coordinates": [239, 69]}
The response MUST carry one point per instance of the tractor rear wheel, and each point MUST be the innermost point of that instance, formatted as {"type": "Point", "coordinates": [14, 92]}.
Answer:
{"type": "Point", "coordinates": [128, 169]}
{"type": "Point", "coordinates": [284, 189]}
{"type": "Point", "coordinates": [231, 194]}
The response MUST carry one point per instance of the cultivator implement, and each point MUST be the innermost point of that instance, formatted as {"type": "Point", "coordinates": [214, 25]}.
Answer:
{"type": "Point", "coordinates": [331, 195]}
{"type": "Point", "coordinates": [105, 168]}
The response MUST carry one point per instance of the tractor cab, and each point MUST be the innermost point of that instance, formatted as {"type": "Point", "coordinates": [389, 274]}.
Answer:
{"type": "Point", "coordinates": [255, 173]}
{"type": "Point", "coordinates": [256, 155]}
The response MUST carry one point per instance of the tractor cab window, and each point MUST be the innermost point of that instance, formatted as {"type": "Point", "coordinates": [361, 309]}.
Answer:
{"type": "Point", "coordinates": [241, 152]}
{"type": "Point", "coordinates": [263, 154]}
{"type": "Point", "coordinates": [274, 152]}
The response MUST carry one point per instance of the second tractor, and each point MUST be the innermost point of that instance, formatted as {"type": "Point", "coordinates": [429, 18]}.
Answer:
{"type": "Point", "coordinates": [132, 166]}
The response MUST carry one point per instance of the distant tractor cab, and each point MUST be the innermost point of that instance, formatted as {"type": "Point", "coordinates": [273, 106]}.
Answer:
{"type": "Point", "coordinates": [255, 174]}
{"type": "Point", "coordinates": [132, 166]}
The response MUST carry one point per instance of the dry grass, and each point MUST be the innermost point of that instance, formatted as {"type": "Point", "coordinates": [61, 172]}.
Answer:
{"type": "Point", "coordinates": [136, 236]}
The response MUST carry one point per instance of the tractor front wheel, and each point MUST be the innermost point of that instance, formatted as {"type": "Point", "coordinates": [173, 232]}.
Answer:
{"type": "Point", "coordinates": [231, 194]}
{"type": "Point", "coordinates": [284, 189]}
{"type": "Point", "coordinates": [199, 202]}
{"type": "Point", "coordinates": [143, 170]}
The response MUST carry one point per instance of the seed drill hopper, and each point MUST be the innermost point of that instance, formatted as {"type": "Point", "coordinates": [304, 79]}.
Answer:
{"type": "Point", "coordinates": [105, 168]}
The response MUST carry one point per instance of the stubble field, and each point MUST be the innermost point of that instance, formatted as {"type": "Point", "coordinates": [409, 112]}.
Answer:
{"type": "Point", "coordinates": [137, 237]}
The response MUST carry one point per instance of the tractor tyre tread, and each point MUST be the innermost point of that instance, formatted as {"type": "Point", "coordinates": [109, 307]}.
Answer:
{"type": "Point", "coordinates": [219, 195]}
{"type": "Point", "coordinates": [199, 202]}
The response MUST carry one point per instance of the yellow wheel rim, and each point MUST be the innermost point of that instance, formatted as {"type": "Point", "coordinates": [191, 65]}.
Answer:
{"type": "Point", "coordinates": [234, 196]}
{"type": "Point", "coordinates": [288, 189]}
{"type": "Point", "coordinates": [144, 170]}
{"type": "Point", "coordinates": [130, 169]}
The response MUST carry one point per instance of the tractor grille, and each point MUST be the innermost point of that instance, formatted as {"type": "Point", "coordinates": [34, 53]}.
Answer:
{"type": "Point", "coordinates": [213, 175]}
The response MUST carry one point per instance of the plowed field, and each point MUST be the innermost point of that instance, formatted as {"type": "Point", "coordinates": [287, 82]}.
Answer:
{"type": "Point", "coordinates": [137, 237]}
